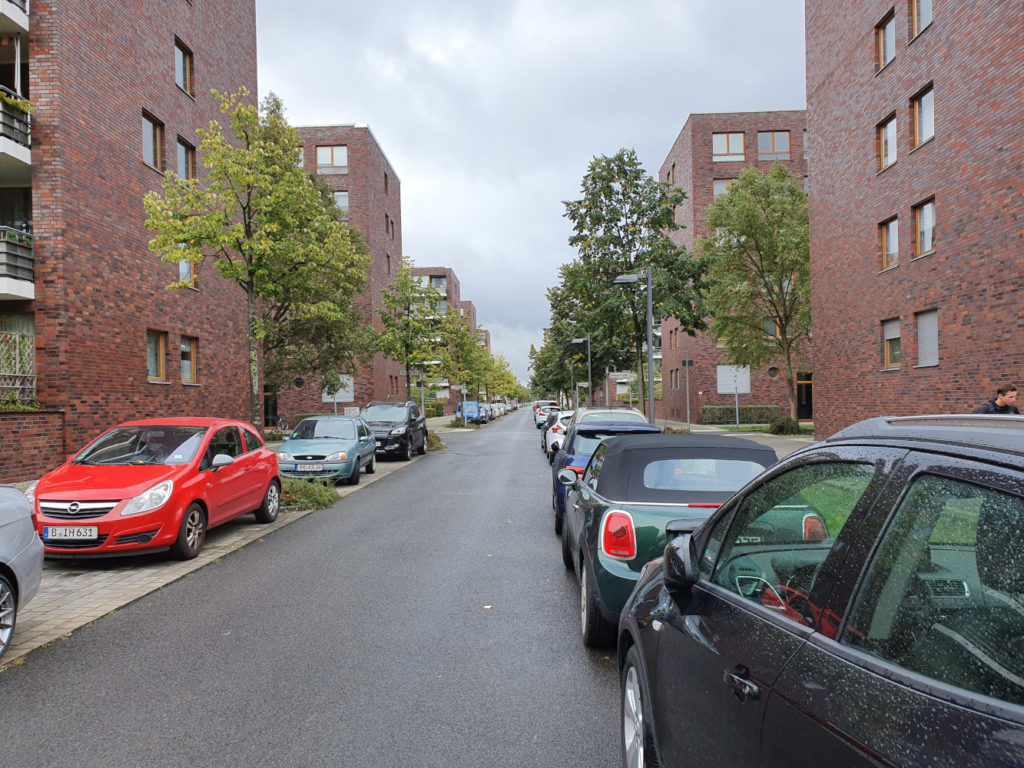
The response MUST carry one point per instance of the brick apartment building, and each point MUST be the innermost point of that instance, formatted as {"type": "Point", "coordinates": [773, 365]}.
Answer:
{"type": "Point", "coordinates": [87, 323]}
{"type": "Point", "coordinates": [367, 188]}
{"type": "Point", "coordinates": [711, 150]}
{"type": "Point", "coordinates": [916, 125]}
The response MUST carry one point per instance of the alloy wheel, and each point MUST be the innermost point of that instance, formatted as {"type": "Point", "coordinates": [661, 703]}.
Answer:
{"type": "Point", "coordinates": [8, 614]}
{"type": "Point", "coordinates": [194, 529]}
{"type": "Point", "coordinates": [632, 720]}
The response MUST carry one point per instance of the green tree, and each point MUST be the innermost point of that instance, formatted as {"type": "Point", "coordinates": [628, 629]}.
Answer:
{"type": "Point", "coordinates": [408, 313]}
{"type": "Point", "coordinates": [759, 272]}
{"type": "Point", "coordinates": [267, 227]}
{"type": "Point", "coordinates": [621, 224]}
{"type": "Point", "coordinates": [461, 357]}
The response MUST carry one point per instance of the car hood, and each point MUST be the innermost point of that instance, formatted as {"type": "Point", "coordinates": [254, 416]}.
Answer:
{"type": "Point", "coordinates": [86, 482]}
{"type": "Point", "coordinates": [385, 426]}
{"type": "Point", "coordinates": [317, 446]}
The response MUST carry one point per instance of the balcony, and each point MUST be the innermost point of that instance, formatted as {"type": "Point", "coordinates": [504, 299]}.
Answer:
{"type": "Point", "coordinates": [17, 265]}
{"type": "Point", "coordinates": [13, 17]}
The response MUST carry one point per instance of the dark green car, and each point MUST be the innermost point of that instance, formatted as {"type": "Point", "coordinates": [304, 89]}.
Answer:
{"type": "Point", "coordinates": [635, 486]}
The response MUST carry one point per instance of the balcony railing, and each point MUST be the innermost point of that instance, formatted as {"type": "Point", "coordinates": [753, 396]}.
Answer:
{"type": "Point", "coordinates": [17, 366]}
{"type": "Point", "coordinates": [15, 124]}
{"type": "Point", "coordinates": [16, 258]}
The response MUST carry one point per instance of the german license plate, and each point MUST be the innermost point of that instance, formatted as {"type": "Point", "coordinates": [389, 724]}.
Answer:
{"type": "Point", "coordinates": [51, 532]}
{"type": "Point", "coordinates": [309, 467]}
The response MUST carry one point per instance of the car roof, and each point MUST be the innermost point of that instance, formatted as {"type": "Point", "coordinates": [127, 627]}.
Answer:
{"type": "Point", "coordinates": [992, 432]}
{"type": "Point", "coordinates": [616, 426]}
{"type": "Point", "coordinates": [333, 417]}
{"type": "Point", "coordinates": [183, 421]}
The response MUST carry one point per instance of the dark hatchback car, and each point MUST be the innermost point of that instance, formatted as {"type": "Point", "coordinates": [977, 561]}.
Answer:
{"type": "Point", "coordinates": [576, 450]}
{"type": "Point", "coordinates": [399, 428]}
{"type": "Point", "coordinates": [634, 486]}
{"type": "Point", "coordinates": [896, 640]}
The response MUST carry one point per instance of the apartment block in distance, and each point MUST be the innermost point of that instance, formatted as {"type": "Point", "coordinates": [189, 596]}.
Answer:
{"type": "Point", "coordinates": [87, 323]}
{"type": "Point", "coordinates": [916, 119]}
{"type": "Point", "coordinates": [708, 154]}
{"type": "Point", "coordinates": [368, 192]}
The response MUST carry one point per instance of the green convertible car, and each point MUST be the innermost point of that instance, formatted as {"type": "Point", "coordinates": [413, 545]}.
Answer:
{"type": "Point", "coordinates": [637, 486]}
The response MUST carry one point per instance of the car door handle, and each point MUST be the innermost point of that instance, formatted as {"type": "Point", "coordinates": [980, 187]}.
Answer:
{"type": "Point", "coordinates": [742, 687]}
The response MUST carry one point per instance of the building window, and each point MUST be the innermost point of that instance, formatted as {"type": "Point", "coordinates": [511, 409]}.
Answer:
{"type": "Point", "coordinates": [726, 146]}
{"type": "Point", "coordinates": [332, 159]}
{"type": "Point", "coordinates": [921, 14]}
{"type": "Point", "coordinates": [152, 142]}
{"type": "Point", "coordinates": [887, 143]}
{"type": "Point", "coordinates": [156, 349]}
{"type": "Point", "coordinates": [885, 40]}
{"type": "Point", "coordinates": [891, 338]}
{"type": "Point", "coordinates": [183, 67]}
{"type": "Point", "coordinates": [387, 259]}
{"type": "Point", "coordinates": [189, 374]}
{"type": "Point", "coordinates": [773, 145]}
{"type": "Point", "coordinates": [187, 273]}
{"type": "Point", "coordinates": [924, 227]}
{"type": "Point", "coordinates": [186, 160]}
{"type": "Point", "coordinates": [721, 186]}
{"type": "Point", "coordinates": [341, 200]}
{"type": "Point", "coordinates": [928, 338]}
{"type": "Point", "coordinates": [301, 161]}
{"type": "Point", "coordinates": [385, 183]}
{"type": "Point", "coordinates": [924, 116]}
{"type": "Point", "coordinates": [889, 232]}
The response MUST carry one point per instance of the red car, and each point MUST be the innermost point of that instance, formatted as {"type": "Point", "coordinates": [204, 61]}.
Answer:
{"type": "Point", "coordinates": [153, 485]}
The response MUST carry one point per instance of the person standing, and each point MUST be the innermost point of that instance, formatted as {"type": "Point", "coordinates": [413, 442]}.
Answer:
{"type": "Point", "coordinates": [1004, 402]}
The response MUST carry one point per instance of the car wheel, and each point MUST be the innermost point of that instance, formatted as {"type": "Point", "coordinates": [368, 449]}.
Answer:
{"type": "Point", "coordinates": [372, 466]}
{"type": "Point", "coordinates": [596, 631]}
{"type": "Point", "coordinates": [407, 453]}
{"type": "Point", "coordinates": [192, 534]}
{"type": "Point", "coordinates": [267, 513]}
{"type": "Point", "coordinates": [423, 445]}
{"type": "Point", "coordinates": [8, 613]}
{"type": "Point", "coordinates": [638, 750]}
{"type": "Point", "coordinates": [353, 479]}
{"type": "Point", "coordinates": [566, 544]}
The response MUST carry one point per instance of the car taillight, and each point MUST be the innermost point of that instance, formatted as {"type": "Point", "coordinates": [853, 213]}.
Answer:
{"type": "Point", "coordinates": [706, 505]}
{"type": "Point", "coordinates": [618, 538]}
{"type": "Point", "coordinates": [556, 428]}
{"type": "Point", "coordinates": [814, 528]}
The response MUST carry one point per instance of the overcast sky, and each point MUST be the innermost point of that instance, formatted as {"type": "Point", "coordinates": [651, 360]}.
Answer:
{"type": "Point", "coordinates": [490, 112]}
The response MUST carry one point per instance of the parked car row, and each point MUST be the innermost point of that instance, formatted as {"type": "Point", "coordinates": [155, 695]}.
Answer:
{"type": "Point", "coordinates": [860, 602]}
{"type": "Point", "coordinates": [481, 413]}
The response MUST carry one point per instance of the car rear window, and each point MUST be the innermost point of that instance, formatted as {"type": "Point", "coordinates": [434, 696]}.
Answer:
{"type": "Point", "coordinates": [587, 442]}
{"type": "Point", "coordinates": [699, 474]}
{"type": "Point", "coordinates": [616, 416]}
{"type": "Point", "coordinates": [311, 429]}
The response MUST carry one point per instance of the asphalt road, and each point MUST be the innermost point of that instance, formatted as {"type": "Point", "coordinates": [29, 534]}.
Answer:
{"type": "Point", "coordinates": [423, 621]}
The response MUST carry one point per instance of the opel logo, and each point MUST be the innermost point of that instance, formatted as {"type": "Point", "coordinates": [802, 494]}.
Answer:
{"type": "Point", "coordinates": [73, 507]}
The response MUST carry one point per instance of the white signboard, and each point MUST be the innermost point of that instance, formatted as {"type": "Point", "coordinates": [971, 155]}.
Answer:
{"type": "Point", "coordinates": [733, 378]}
{"type": "Point", "coordinates": [351, 410]}
{"type": "Point", "coordinates": [347, 393]}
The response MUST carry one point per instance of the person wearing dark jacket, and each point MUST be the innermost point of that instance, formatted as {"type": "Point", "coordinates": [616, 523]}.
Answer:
{"type": "Point", "coordinates": [1004, 402]}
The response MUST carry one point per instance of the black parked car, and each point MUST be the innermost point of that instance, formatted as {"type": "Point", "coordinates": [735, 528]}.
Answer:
{"type": "Point", "coordinates": [898, 639]}
{"type": "Point", "coordinates": [399, 428]}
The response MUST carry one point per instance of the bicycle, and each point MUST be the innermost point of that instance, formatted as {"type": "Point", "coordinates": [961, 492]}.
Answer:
{"type": "Point", "coordinates": [281, 424]}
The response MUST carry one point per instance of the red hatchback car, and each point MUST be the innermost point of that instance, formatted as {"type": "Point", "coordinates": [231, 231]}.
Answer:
{"type": "Point", "coordinates": [153, 485]}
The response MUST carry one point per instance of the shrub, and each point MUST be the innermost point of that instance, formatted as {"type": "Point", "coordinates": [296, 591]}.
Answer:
{"type": "Point", "coordinates": [434, 443]}
{"type": "Point", "coordinates": [785, 426]}
{"type": "Point", "coordinates": [306, 494]}
{"type": "Point", "coordinates": [749, 414]}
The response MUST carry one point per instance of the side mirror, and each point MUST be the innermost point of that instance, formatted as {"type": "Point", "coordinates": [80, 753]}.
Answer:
{"type": "Point", "coordinates": [677, 566]}
{"type": "Point", "coordinates": [221, 460]}
{"type": "Point", "coordinates": [567, 477]}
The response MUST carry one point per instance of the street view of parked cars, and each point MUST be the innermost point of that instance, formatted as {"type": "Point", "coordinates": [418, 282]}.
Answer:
{"type": "Point", "coordinates": [860, 602]}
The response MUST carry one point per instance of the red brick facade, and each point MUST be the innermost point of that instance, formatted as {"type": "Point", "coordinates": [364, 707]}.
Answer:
{"type": "Point", "coordinates": [691, 166]}
{"type": "Point", "coordinates": [94, 69]}
{"type": "Point", "coordinates": [971, 56]}
{"type": "Point", "coordinates": [453, 296]}
{"type": "Point", "coordinates": [375, 208]}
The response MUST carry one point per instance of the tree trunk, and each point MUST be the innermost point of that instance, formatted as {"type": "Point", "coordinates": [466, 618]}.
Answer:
{"type": "Point", "coordinates": [255, 404]}
{"type": "Point", "coordinates": [791, 385]}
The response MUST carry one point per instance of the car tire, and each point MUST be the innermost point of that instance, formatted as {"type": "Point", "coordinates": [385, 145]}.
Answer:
{"type": "Point", "coordinates": [422, 450]}
{"type": "Point", "coordinates": [8, 613]}
{"type": "Point", "coordinates": [566, 548]}
{"type": "Point", "coordinates": [353, 479]}
{"type": "Point", "coordinates": [191, 534]}
{"type": "Point", "coordinates": [372, 466]}
{"type": "Point", "coordinates": [638, 750]}
{"type": "Point", "coordinates": [267, 513]}
{"type": "Point", "coordinates": [596, 632]}
{"type": "Point", "coordinates": [407, 453]}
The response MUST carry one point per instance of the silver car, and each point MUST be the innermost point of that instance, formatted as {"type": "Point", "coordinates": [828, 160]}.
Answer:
{"type": "Point", "coordinates": [21, 560]}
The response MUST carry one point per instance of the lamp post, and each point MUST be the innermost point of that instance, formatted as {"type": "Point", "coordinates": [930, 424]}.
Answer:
{"type": "Point", "coordinates": [590, 393]}
{"type": "Point", "coordinates": [635, 278]}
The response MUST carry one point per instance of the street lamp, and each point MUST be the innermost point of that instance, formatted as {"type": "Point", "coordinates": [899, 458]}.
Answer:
{"type": "Point", "coordinates": [635, 278]}
{"type": "Point", "coordinates": [590, 393]}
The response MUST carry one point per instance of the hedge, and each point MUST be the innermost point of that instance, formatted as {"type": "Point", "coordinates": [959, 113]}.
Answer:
{"type": "Point", "coordinates": [749, 414]}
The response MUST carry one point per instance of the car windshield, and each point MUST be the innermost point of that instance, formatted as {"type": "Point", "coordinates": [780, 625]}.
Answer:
{"type": "Point", "coordinates": [330, 429]}
{"type": "Point", "coordinates": [616, 416]}
{"type": "Point", "coordinates": [699, 474]}
{"type": "Point", "coordinates": [150, 444]}
{"type": "Point", "coordinates": [586, 442]}
{"type": "Point", "coordinates": [384, 412]}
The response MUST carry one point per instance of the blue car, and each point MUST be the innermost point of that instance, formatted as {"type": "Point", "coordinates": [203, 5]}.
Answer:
{"type": "Point", "coordinates": [329, 448]}
{"type": "Point", "coordinates": [474, 414]}
{"type": "Point", "coordinates": [581, 440]}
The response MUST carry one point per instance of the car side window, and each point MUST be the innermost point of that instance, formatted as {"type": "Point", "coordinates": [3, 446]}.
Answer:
{"type": "Point", "coordinates": [781, 533]}
{"type": "Point", "coordinates": [414, 411]}
{"type": "Point", "coordinates": [594, 468]}
{"type": "Point", "coordinates": [226, 440]}
{"type": "Point", "coordinates": [944, 595]}
{"type": "Point", "coordinates": [252, 443]}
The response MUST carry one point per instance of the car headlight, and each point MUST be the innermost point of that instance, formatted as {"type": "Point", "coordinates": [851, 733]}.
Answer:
{"type": "Point", "coordinates": [336, 456]}
{"type": "Point", "coordinates": [30, 492]}
{"type": "Point", "coordinates": [398, 431]}
{"type": "Point", "coordinates": [282, 456]}
{"type": "Point", "coordinates": [155, 497]}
